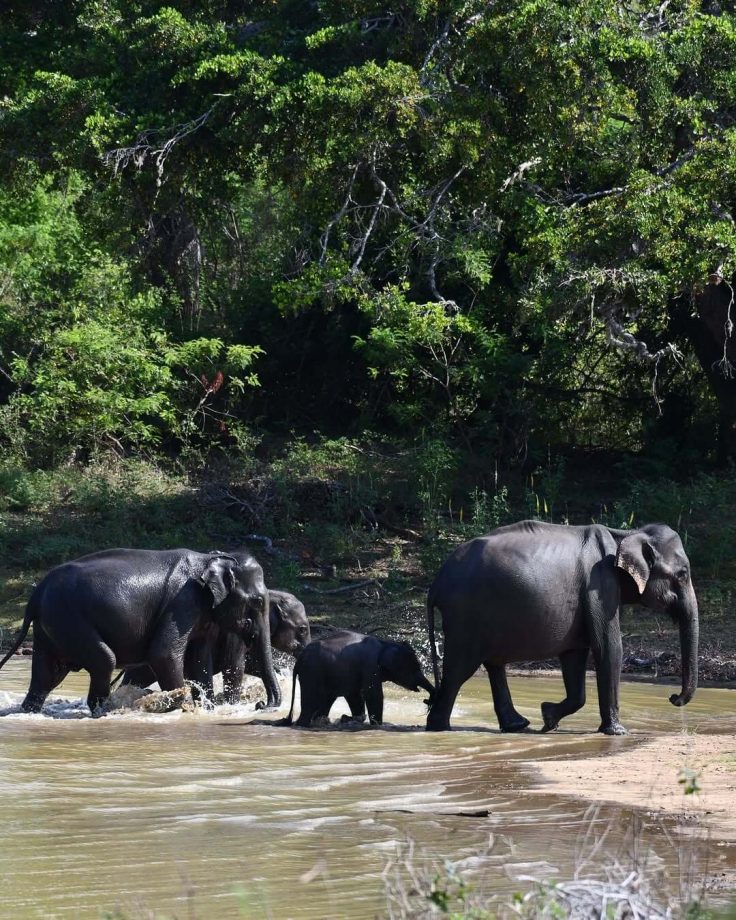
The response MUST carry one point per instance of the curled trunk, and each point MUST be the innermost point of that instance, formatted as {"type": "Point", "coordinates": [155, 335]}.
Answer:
{"type": "Point", "coordinates": [689, 652]}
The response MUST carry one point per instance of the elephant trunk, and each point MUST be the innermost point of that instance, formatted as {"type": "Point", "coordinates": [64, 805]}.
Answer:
{"type": "Point", "coordinates": [688, 651]}
{"type": "Point", "coordinates": [426, 685]}
{"type": "Point", "coordinates": [265, 659]}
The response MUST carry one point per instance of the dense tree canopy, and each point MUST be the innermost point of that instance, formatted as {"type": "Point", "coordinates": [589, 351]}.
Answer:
{"type": "Point", "coordinates": [511, 222]}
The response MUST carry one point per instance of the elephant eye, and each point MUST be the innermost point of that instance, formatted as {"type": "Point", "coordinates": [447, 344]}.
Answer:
{"type": "Point", "coordinates": [682, 574]}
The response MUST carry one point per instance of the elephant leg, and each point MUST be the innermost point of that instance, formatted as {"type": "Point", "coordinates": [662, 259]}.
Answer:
{"type": "Point", "coordinates": [169, 671]}
{"type": "Point", "coordinates": [316, 702]}
{"type": "Point", "coordinates": [198, 671]}
{"type": "Point", "coordinates": [373, 696]}
{"type": "Point", "coordinates": [80, 643]}
{"type": "Point", "coordinates": [47, 672]}
{"type": "Point", "coordinates": [509, 719]}
{"type": "Point", "coordinates": [608, 652]}
{"type": "Point", "coordinates": [458, 666]}
{"type": "Point", "coordinates": [573, 674]}
{"type": "Point", "coordinates": [100, 672]}
{"type": "Point", "coordinates": [139, 676]}
{"type": "Point", "coordinates": [233, 668]}
{"type": "Point", "coordinates": [357, 706]}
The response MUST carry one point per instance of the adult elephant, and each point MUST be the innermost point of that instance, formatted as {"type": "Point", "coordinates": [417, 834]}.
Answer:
{"type": "Point", "coordinates": [534, 590]}
{"type": "Point", "coordinates": [212, 650]}
{"type": "Point", "coordinates": [126, 607]}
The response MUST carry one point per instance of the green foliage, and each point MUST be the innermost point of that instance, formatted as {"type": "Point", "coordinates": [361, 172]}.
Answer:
{"type": "Point", "coordinates": [218, 224]}
{"type": "Point", "coordinates": [690, 781]}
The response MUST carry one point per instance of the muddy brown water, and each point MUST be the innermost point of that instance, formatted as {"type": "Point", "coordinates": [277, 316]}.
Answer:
{"type": "Point", "coordinates": [207, 815]}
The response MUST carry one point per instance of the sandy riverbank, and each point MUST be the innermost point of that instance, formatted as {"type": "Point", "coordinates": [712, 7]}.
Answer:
{"type": "Point", "coordinates": [647, 774]}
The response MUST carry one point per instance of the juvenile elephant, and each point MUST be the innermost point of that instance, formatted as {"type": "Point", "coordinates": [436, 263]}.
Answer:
{"type": "Point", "coordinates": [130, 606]}
{"type": "Point", "coordinates": [353, 666]}
{"type": "Point", "coordinates": [534, 590]}
{"type": "Point", "coordinates": [212, 650]}
{"type": "Point", "coordinates": [289, 633]}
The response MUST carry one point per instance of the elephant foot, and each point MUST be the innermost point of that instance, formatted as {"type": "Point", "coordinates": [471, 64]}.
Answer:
{"type": "Point", "coordinates": [516, 725]}
{"type": "Point", "coordinates": [31, 706]}
{"type": "Point", "coordinates": [612, 728]}
{"type": "Point", "coordinates": [438, 726]}
{"type": "Point", "coordinates": [549, 715]}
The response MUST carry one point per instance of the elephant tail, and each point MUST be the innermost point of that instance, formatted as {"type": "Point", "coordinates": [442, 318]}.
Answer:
{"type": "Point", "coordinates": [27, 620]}
{"type": "Point", "coordinates": [432, 642]}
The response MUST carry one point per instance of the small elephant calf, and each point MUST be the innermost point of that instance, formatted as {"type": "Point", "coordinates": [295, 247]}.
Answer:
{"type": "Point", "coordinates": [353, 666]}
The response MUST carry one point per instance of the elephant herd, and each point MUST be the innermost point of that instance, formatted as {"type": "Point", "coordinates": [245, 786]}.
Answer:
{"type": "Point", "coordinates": [527, 591]}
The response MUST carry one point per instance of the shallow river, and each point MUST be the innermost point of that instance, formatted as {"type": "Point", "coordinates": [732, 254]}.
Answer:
{"type": "Point", "coordinates": [146, 811]}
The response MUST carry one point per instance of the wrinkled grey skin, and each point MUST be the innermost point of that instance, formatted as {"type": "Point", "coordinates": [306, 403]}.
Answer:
{"type": "Point", "coordinates": [126, 607]}
{"type": "Point", "coordinates": [212, 650]}
{"type": "Point", "coordinates": [535, 591]}
{"type": "Point", "coordinates": [353, 666]}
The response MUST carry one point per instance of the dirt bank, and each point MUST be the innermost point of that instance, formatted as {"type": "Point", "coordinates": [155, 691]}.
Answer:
{"type": "Point", "coordinates": [653, 774]}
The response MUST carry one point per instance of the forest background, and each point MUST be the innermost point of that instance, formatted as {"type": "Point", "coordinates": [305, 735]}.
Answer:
{"type": "Point", "coordinates": [366, 281]}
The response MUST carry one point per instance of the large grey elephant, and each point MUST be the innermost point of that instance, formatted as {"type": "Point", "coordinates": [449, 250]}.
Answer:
{"type": "Point", "coordinates": [126, 607]}
{"type": "Point", "coordinates": [212, 650]}
{"type": "Point", "coordinates": [534, 590]}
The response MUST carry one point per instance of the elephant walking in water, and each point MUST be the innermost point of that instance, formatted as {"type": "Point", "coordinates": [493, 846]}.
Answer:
{"type": "Point", "coordinates": [534, 590]}
{"type": "Point", "coordinates": [125, 607]}
{"type": "Point", "coordinates": [212, 650]}
{"type": "Point", "coordinates": [354, 666]}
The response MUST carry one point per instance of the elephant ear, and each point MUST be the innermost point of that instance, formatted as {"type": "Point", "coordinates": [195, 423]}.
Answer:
{"type": "Point", "coordinates": [275, 612]}
{"type": "Point", "coordinates": [219, 578]}
{"type": "Point", "coordinates": [391, 656]}
{"type": "Point", "coordinates": [636, 557]}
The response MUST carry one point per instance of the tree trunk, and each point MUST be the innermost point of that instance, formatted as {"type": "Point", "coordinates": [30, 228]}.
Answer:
{"type": "Point", "coordinates": [714, 342]}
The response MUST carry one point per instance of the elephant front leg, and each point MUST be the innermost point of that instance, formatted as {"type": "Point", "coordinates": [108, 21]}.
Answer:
{"type": "Point", "coordinates": [573, 674]}
{"type": "Point", "coordinates": [198, 670]}
{"type": "Point", "coordinates": [169, 671]}
{"type": "Point", "coordinates": [608, 653]}
{"type": "Point", "coordinates": [357, 707]}
{"type": "Point", "coordinates": [373, 695]}
{"type": "Point", "coordinates": [509, 719]}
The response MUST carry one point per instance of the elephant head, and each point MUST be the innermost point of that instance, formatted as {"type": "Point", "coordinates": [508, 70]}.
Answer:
{"type": "Point", "coordinates": [241, 605]}
{"type": "Point", "coordinates": [399, 664]}
{"type": "Point", "coordinates": [658, 576]}
{"type": "Point", "coordinates": [289, 624]}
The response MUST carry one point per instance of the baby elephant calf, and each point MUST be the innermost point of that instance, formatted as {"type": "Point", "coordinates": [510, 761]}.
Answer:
{"type": "Point", "coordinates": [354, 666]}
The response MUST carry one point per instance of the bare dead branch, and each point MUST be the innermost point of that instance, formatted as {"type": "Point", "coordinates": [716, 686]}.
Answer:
{"type": "Point", "coordinates": [155, 143]}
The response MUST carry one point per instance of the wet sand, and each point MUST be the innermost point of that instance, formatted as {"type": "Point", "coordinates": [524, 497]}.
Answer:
{"type": "Point", "coordinates": [653, 775]}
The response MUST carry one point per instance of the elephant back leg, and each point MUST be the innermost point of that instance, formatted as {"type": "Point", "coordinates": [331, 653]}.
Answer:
{"type": "Point", "coordinates": [509, 719]}
{"type": "Point", "coordinates": [47, 672]}
{"type": "Point", "coordinates": [461, 660]}
{"type": "Point", "coordinates": [316, 700]}
{"type": "Point", "coordinates": [573, 674]}
{"type": "Point", "coordinates": [79, 642]}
